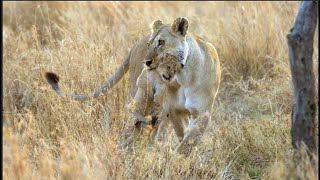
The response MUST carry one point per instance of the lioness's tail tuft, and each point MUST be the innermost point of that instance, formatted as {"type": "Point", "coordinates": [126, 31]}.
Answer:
{"type": "Point", "coordinates": [52, 78]}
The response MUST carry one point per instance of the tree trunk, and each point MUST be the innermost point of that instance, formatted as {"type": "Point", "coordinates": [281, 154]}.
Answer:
{"type": "Point", "coordinates": [300, 42]}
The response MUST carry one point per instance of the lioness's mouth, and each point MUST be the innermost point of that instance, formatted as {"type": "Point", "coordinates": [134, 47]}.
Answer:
{"type": "Point", "coordinates": [166, 78]}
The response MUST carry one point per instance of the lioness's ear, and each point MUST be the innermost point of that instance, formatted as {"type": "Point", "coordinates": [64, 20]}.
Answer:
{"type": "Point", "coordinates": [180, 25]}
{"type": "Point", "coordinates": [156, 24]}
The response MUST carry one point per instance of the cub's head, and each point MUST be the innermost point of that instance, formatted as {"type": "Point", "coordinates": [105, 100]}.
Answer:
{"type": "Point", "coordinates": [168, 67]}
{"type": "Point", "coordinates": [167, 38]}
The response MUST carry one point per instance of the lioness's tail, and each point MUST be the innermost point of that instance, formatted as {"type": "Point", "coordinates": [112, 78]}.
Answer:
{"type": "Point", "coordinates": [53, 80]}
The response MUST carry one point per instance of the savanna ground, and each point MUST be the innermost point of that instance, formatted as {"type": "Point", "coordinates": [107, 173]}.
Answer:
{"type": "Point", "coordinates": [47, 137]}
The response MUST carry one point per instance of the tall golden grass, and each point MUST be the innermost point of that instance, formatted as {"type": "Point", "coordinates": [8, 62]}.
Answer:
{"type": "Point", "coordinates": [50, 137]}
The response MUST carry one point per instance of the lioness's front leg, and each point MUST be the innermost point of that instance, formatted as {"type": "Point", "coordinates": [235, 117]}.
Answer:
{"type": "Point", "coordinates": [194, 132]}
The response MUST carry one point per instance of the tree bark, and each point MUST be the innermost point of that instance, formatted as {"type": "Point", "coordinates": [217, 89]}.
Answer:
{"type": "Point", "coordinates": [300, 43]}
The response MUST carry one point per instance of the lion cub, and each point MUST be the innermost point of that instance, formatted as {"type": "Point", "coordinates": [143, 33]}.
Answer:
{"type": "Point", "coordinates": [153, 95]}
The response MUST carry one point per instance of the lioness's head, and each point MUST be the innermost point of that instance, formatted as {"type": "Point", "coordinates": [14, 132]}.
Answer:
{"type": "Point", "coordinates": [167, 38]}
{"type": "Point", "coordinates": [168, 66]}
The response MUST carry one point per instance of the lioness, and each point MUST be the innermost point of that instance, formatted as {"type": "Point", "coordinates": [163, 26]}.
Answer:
{"type": "Point", "coordinates": [199, 79]}
{"type": "Point", "coordinates": [154, 89]}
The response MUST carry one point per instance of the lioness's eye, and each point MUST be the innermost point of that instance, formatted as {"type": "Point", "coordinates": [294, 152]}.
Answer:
{"type": "Point", "coordinates": [168, 67]}
{"type": "Point", "coordinates": [161, 42]}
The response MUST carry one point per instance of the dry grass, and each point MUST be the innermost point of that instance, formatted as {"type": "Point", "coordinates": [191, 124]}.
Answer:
{"type": "Point", "coordinates": [50, 137]}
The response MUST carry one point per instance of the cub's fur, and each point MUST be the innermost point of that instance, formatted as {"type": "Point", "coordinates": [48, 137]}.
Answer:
{"type": "Point", "coordinates": [154, 88]}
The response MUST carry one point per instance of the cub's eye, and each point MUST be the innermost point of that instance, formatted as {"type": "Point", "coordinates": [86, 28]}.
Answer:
{"type": "Point", "coordinates": [168, 67]}
{"type": "Point", "coordinates": [161, 42]}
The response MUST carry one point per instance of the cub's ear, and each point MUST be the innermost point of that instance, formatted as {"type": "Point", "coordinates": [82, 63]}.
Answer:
{"type": "Point", "coordinates": [156, 24]}
{"type": "Point", "coordinates": [180, 25]}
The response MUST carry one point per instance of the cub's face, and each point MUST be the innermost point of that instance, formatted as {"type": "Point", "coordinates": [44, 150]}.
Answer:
{"type": "Point", "coordinates": [167, 38]}
{"type": "Point", "coordinates": [169, 66]}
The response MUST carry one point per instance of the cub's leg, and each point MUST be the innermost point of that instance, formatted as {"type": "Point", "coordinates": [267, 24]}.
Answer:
{"type": "Point", "coordinates": [196, 128]}
{"type": "Point", "coordinates": [177, 118]}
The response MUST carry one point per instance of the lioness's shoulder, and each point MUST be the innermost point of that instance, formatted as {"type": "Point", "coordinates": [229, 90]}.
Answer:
{"type": "Point", "coordinates": [208, 46]}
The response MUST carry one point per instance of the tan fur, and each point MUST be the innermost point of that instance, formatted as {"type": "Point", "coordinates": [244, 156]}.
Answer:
{"type": "Point", "coordinates": [191, 106]}
{"type": "Point", "coordinates": [153, 93]}
{"type": "Point", "coordinates": [199, 79]}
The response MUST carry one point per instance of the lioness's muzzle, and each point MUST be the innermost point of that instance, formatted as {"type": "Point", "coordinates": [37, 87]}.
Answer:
{"type": "Point", "coordinates": [148, 62]}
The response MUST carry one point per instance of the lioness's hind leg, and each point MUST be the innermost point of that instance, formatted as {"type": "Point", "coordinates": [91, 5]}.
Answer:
{"type": "Point", "coordinates": [139, 129]}
{"type": "Point", "coordinates": [155, 125]}
{"type": "Point", "coordinates": [162, 125]}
